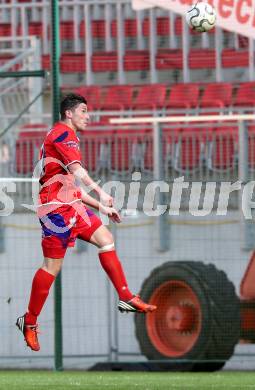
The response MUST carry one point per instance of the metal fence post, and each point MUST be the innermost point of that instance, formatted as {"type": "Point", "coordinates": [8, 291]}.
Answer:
{"type": "Point", "coordinates": [88, 43]}
{"type": "Point", "coordinates": [218, 50]}
{"type": "Point", "coordinates": [152, 45]}
{"type": "Point", "coordinates": [113, 344]}
{"type": "Point", "coordinates": [251, 59]}
{"type": "Point", "coordinates": [35, 83]}
{"type": "Point", "coordinates": [162, 227]}
{"type": "Point", "coordinates": [58, 355]}
{"type": "Point", "coordinates": [185, 51]}
{"type": "Point", "coordinates": [120, 44]}
{"type": "Point", "coordinates": [247, 226]}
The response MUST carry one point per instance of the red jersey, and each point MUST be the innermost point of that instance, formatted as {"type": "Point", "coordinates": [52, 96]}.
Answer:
{"type": "Point", "coordinates": [60, 149]}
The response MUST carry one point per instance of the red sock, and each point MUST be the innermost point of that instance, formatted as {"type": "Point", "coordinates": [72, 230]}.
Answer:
{"type": "Point", "coordinates": [113, 268]}
{"type": "Point", "coordinates": [40, 290]}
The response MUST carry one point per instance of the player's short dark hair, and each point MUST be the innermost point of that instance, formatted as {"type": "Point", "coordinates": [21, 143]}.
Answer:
{"type": "Point", "coordinates": [70, 102]}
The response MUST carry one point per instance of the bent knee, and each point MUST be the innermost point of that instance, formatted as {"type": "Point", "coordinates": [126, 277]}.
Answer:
{"type": "Point", "coordinates": [52, 266]}
{"type": "Point", "coordinates": [106, 248]}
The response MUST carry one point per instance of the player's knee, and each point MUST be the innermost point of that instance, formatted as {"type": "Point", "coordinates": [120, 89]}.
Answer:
{"type": "Point", "coordinates": [106, 243]}
{"type": "Point", "coordinates": [52, 270]}
{"type": "Point", "coordinates": [103, 239]}
{"type": "Point", "coordinates": [106, 248]}
{"type": "Point", "coordinates": [52, 266]}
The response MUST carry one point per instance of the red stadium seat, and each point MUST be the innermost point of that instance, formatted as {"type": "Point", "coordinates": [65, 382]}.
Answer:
{"type": "Point", "coordinates": [187, 155]}
{"type": "Point", "coordinates": [182, 148]}
{"type": "Point", "coordinates": [245, 95]}
{"type": "Point", "coordinates": [169, 59]}
{"type": "Point", "coordinates": [105, 61]}
{"type": "Point", "coordinates": [5, 29]}
{"type": "Point", "coordinates": [148, 155]}
{"type": "Point", "coordinates": [89, 149]}
{"type": "Point", "coordinates": [222, 149]}
{"type": "Point", "coordinates": [118, 97]}
{"type": "Point", "coordinates": [183, 96]}
{"type": "Point", "coordinates": [178, 25]}
{"type": "Point", "coordinates": [130, 28]}
{"type": "Point", "coordinates": [232, 58]}
{"type": "Point", "coordinates": [121, 151]}
{"type": "Point", "coordinates": [35, 28]}
{"type": "Point", "coordinates": [96, 148]}
{"type": "Point", "coordinates": [132, 150]}
{"type": "Point", "coordinates": [97, 27]}
{"type": "Point", "coordinates": [67, 29]}
{"type": "Point", "coordinates": [162, 26]}
{"type": "Point", "coordinates": [117, 151]}
{"type": "Point", "coordinates": [92, 94]}
{"type": "Point", "coordinates": [136, 60]}
{"type": "Point", "coordinates": [28, 146]}
{"type": "Point", "coordinates": [150, 97]}
{"type": "Point", "coordinates": [169, 140]}
{"type": "Point", "coordinates": [217, 95]}
{"type": "Point", "coordinates": [72, 63]}
{"type": "Point", "coordinates": [202, 58]}
{"type": "Point", "coordinates": [82, 29]}
{"type": "Point", "coordinates": [46, 61]}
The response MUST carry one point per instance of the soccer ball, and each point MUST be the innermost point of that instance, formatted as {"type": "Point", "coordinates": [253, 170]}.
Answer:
{"type": "Point", "coordinates": [201, 17]}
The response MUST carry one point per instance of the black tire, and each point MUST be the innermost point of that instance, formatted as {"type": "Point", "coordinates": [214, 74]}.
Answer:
{"type": "Point", "coordinates": [216, 322]}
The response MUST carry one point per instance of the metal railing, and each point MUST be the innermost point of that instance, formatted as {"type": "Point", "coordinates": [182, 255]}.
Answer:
{"type": "Point", "coordinates": [200, 150]}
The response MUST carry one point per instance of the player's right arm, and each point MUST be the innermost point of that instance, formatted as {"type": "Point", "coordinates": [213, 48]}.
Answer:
{"type": "Point", "coordinates": [67, 145]}
{"type": "Point", "coordinates": [111, 212]}
{"type": "Point", "coordinates": [82, 176]}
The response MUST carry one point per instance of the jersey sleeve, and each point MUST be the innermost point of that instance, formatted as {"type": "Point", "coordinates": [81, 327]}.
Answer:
{"type": "Point", "coordinates": [67, 145]}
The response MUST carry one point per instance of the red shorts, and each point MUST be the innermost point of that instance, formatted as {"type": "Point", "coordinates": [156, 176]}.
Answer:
{"type": "Point", "coordinates": [61, 227]}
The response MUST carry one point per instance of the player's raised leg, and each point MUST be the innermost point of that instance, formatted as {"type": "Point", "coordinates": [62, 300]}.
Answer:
{"type": "Point", "coordinates": [109, 260]}
{"type": "Point", "coordinates": [42, 281]}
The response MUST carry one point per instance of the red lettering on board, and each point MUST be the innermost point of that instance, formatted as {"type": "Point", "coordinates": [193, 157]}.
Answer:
{"type": "Point", "coordinates": [189, 2]}
{"type": "Point", "coordinates": [225, 8]}
{"type": "Point", "coordinates": [241, 16]}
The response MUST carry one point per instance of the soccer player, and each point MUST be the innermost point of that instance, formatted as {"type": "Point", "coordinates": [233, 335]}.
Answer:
{"type": "Point", "coordinates": [64, 216]}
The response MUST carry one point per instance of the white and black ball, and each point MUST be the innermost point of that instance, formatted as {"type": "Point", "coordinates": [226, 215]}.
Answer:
{"type": "Point", "coordinates": [201, 17]}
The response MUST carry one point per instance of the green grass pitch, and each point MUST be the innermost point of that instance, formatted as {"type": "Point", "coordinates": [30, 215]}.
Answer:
{"type": "Point", "coordinates": [42, 380]}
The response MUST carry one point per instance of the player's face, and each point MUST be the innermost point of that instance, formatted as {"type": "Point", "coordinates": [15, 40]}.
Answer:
{"type": "Point", "coordinates": [80, 117]}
